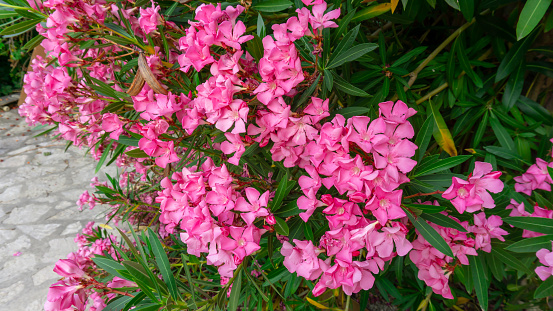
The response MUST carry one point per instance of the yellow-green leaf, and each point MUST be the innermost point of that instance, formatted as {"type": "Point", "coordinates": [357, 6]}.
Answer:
{"type": "Point", "coordinates": [371, 12]}
{"type": "Point", "coordinates": [441, 132]}
{"type": "Point", "coordinates": [317, 304]}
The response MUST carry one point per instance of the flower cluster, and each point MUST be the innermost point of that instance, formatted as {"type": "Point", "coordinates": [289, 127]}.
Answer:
{"type": "Point", "coordinates": [78, 288]}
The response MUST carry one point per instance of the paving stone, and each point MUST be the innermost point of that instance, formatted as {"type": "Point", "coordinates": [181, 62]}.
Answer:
{"type": "Point", "coordinates": [39, 185]}
{"type": "Point", "coordinates": [40, 231]}
{"type": "Point", "coordinates": [27, 214]}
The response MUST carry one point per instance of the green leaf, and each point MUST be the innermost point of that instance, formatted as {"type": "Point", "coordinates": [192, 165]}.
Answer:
{"type": "Point", "coordinates": [467, 8]}
{"type": "Point", "coordinates": [163, 265]}
{"type": "Point", "coordinates": [534, 110]}
{"type": "Point", "coordinates": [503, 153]}
{"type": "Point", "coordinates": [117, 303]}
{"type": "Point", "coordinates": [280, 193]}
{"type": "Point", "coordinates": [441, 132]}
{"type": "Point", "coordinates": [409, 55]}
{"type": "Point", "coordinates": [531, 245]}
{"type": "Point", "coordinates": [137, 153]}
{"type": "Point", "coordinates": [423, 137]}
{"type": "Point", "coordinates": [255, 47]}
{"type": "Point", "coordinates": [342, 26]}
{"type": "Point", "coordinates": [346, 87]}
{"type": "Point", "coordinates": [426, 208]}
{"type": "Point", "coordinates": [128, 141]}
{"type": "Point", "coordinates": [344, 44]}
{"type": "Point", "coordinates": [290, 209]}
{"type": "Point", "coordinates": [261, 30]}
{"type": "Point", "coordinates": [514, 86]}
{"type": "Point", "coordinates": [545, 289]}
{"type": "Point", "coordinates": [272, 6]}
{"type": "Point", "coordinates": [281, 226]}
{"type": "Point", "coordinates": [235, 292]}
{"type": "Point", "coordinates": [34, 42]}
{"type": "Point", "coordinates": [510, 260]}
{"type": "Point", "coordinates": [536, 224]}
{"type": "Point", "coordinates": [372, 11]}
{"type": "Point", "coordinates": [111, 266]}
{"type": "Point", "coordinates": [481, 129]}
{"type": "Point", "coordinates": [432, 236]}
{"type": "Point", "coordinates": [502, 135]}
{"type": "Point", "coordinates": [308, 92]}
{"type": "Point", "coordinates": [479, 280]}
{"type": "Point", "coordinates": [429, 233]}
{"type": "Point", "coordinates": [444, 221]}
{"type": "Point", "coordinates": [140, 278]}
{"type": "Point", "coordinates": [328, 80]}
{"type": "Point", "coordinates": [119, 30]}
{"type": "Point", "coordinates": [514, 57]}
{"type": "Point", "coordinates": [349, 112]}
{"type": "Point", "coordinates": [351, 54]}
{"type": "Point", "coordinates": [103, 157]}
{"type": "Point", "coordinates": [7, 14]}
{"type": "Point", "coordinates": [530, 16]}
{"type": "Point", "coordinates": [441, 165]}
{"type": "Point", "coordinates": [21, 27]}
{"type": "Point", "coordinates": [461, 53]}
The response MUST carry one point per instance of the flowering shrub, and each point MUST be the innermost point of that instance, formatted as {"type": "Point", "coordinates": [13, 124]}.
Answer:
{"type": "Point", "coordinates": [260, 173]}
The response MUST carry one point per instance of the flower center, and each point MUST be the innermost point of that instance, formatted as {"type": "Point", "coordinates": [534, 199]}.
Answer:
{"type": "Point", "coordinates": [341, 211]}
{"type": "Point", "coordinates": [462, 192]}
{"type": "Point", "coordinates": [241, 242]}
{"type": "Point", "coordinates": [384, 203]}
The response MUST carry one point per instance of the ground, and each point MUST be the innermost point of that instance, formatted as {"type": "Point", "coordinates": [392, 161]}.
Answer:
{"type": "Point", "coordinates": [39, 185]}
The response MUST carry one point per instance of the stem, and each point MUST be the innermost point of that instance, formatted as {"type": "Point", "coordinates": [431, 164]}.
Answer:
{"type": "Point", "coordinates": [420, 194]}
{"type": "Point", "coordinates": [347, 303]}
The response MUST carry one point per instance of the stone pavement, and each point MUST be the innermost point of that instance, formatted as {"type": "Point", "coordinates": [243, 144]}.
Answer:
{"type": "Point", "coordinates": [39, 185]}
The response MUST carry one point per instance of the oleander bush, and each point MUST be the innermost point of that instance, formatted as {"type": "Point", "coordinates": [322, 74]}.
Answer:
{"type": "Point", "coordinates": [278, 155]}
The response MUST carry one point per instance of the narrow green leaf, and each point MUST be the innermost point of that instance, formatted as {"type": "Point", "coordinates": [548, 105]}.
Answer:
{"type": "Point", "coordinates": [536, 224]}
{"type": "Point", "coordinates": [530, 16]}
{"type": "Point", "coordinates": [163, 265]}
{"type": "Point", "coordinates": [441, 165]}
{"type": "Point", "coordinates": [137, 153]}
{"type": "Point", "coordinates": [482, 126]}
{"type": "Point", "coordinates": [344, 44]}
{"type": "Point", "coordinates": [514, 57]}
{"type": "Point", "coordinates": [111, 266]}
{"type": "Point", "coordinates": [34, 42]}
{"type": "Point", "coordinates": [21, 27]}
{"type": "Point", "coordinates": [433, 237]}
{"type": "Point", "coordinates": [272, 6]}
{"type": "Point", "coordinates": [308, 92]}
{"type": "Point", "coordinates": [117, 303]}
{"type": "Point", "coordinates": [514, 86]}
{"type": "Point", "coordinates": [103, 157]}
{"type": "Point", "coordinates": [281, 226]}
{"type": "Point", "coordinates": [467, 8]}
{"type": "Point", "coordinates": [7, 14]}
{"type": "Point", "coordinates": [534, 110]}
{"type": "Point", "coordinates": [372, 11]}
{"type": "Point", "coordinates": [502, 135]}
{"type": "Point", "coordinates": [328, 80]}
{"type": "Point", "coordinates": [140, 278]}
{"type": "Point", "coordinates": [235, 292]}
{"type": "Point", "coordinates": [290, 209]}
{"type": "Point", "coordinates": [261, 31]}
{"type": "Point", "coordinates": [423, 137]}
{"type": "Point", "coordinates": [255, 47]}
{"type": "Point", "coordinates": [426, 208]}
{"type": "Point", "coordinates": [349, 112]}
{"type": "Point", "coordinates": [461, 53]}
{"type": "Point", "coordinates": [503, 153]}
{"type": "Point", "coordinates": [444, 221]}
{"type": "Point", "coordinates": [409, 55]}
{"type": "Point", "coordinates": [128, 141]}
{"type": "Point", "coordinates": [545, 289]}
{"type": "Point", "coordinates": [346, 87]}
{"type": "Point", "coordinates": [479, 280]}
{"type": "Point", "coordinates": [342, 27]}
{"type": "Point", "coordinates": [280, 193]}
{"type": "Point", "coordinates": [510, 260]}
{"type": "Point", "coordinates": [119, 30]}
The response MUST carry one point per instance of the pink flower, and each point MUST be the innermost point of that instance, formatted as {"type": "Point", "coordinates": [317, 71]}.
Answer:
{"type": "Point", "coordinates": [386, 205]}
{"type": "Point", "coordinates": [486, 229]}
{"type": "Point", "coordinates": [68, 268]}
{"type": "Point", "coordinates": [546, 259]}
{"type": "Point", "coordinates": [112, 124]}
{"type": "Point", "coordinates": [233, 145]}
{"type": "Point", "coordinates": [232, 34]}
{"type": "Point", "coordinates": [472, 195]}
{"type": "Point", "coordinates": [396, 113]}
{"type": "Point", "coordinates": [236, 113]}
{"type": "Point", "coordinates": [320, 20]}
{"type": "Point", "coordinates": [244, 241]}
{"type": "Point", "coordinates": [149, 19]}
{"type": "Point", "coordinates": [302, 259]}
{"type": "Point", "coordinates": [256, 206]}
